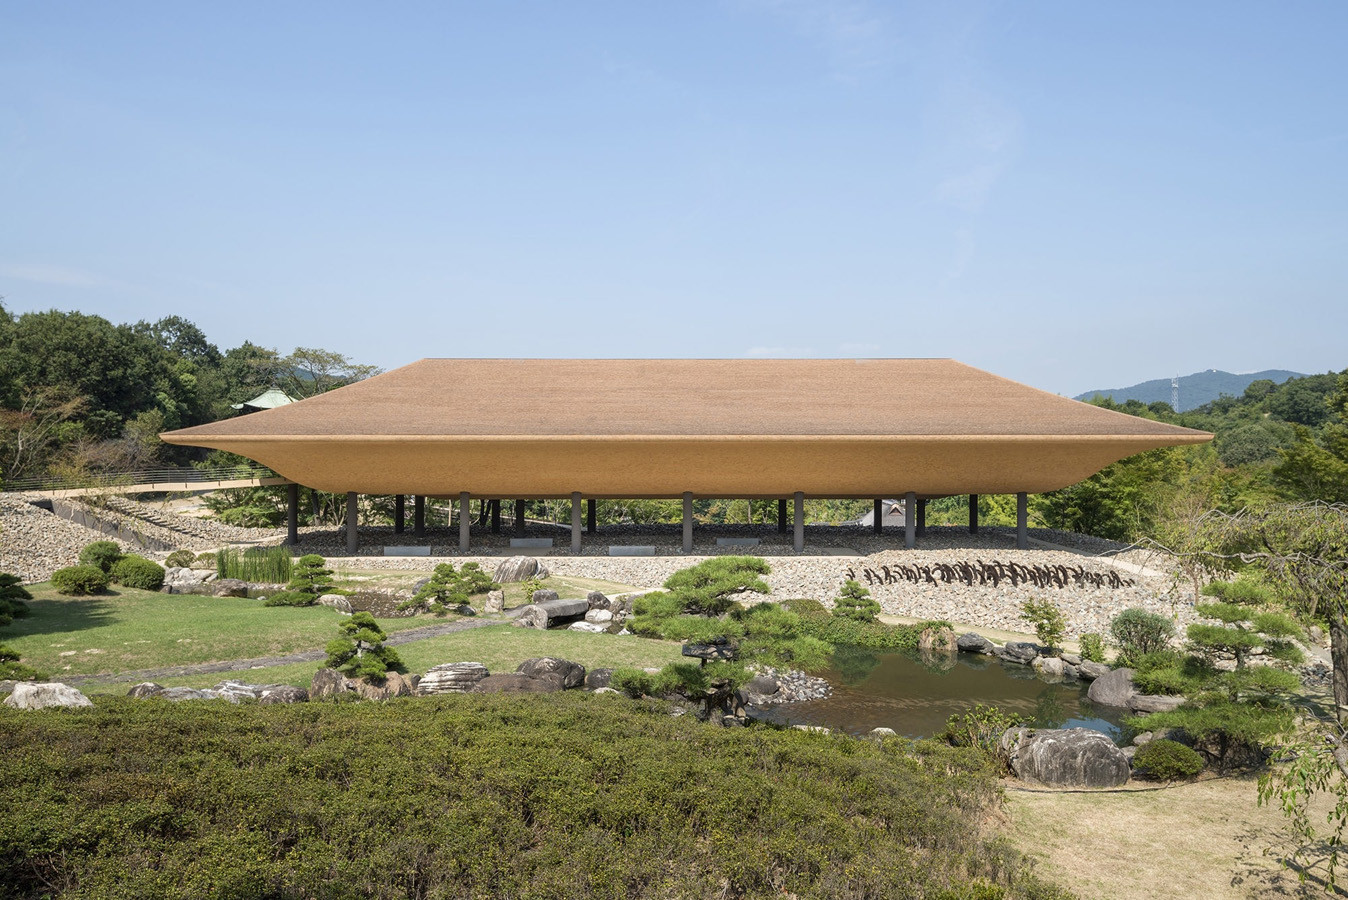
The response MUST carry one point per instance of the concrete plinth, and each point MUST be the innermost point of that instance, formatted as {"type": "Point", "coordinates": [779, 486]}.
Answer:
{"type": "Point", "coordinates": [465, 522]}
{"type": "Point", "coordinates": [352, 538]}
{"type": "Point", "coordinates": [910, 520]}
{"type": "Point", "coordinates": [687, 521]}
{"type": "Point", "coordinates": [631, 550]}
{"type": "Point", "coordinates": [531, 543]}
{"type": "Point", "coordinates": [798, 540]}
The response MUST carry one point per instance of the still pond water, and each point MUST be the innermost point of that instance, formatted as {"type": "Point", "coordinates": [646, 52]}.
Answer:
{"type": "Point", "coordinates": [915, 695]}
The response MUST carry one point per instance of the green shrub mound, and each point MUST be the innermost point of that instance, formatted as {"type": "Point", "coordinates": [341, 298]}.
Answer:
{"type": "Point", "coordinates": [77, 581]}
{"type": "Point", "coordinates": [102, 554]}
{"type": "Point", "coordinates": [12, 595]}
{"type": "Point", "coordinates": [180, 559]}
{"type": "Point", "coordinates": [1092, 647]}
{"type": "Point", "coordinates": [137, 572]}
{"type": "Point", "coordinates": [13, 670]}
{"type": "Point", "coordinates": [1137, 632]}
{"type": "Point", "coordinates": [816, 622]}
{"type": "Point", "coordinates": [449, 590]}
{"type": "Point", "coordinates": [1167, 760]}
{"type": "Point", "coordinates": [563, 796]}
{"type": "Point", "coordinates": [856, 603]}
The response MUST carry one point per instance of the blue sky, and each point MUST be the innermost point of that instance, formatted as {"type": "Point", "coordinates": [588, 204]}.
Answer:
{"type": "Point", "coordinates": [1074, 195]}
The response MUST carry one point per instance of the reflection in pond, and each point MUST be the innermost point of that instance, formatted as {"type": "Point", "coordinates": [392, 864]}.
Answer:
{"type": "Point", "coordinates": [915, 694]}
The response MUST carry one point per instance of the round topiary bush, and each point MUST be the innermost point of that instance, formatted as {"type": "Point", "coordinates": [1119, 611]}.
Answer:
{"type": "Point", "coordinates": [137, 572]}
{"type": "Point", "coordinates": [76, 581]}
{"type": "Point", "coordinates": [1167, 760]}
{"type": "Point", "coordinates": [103, 554]}
{"type": "Point", "coordinates": [180, 559]}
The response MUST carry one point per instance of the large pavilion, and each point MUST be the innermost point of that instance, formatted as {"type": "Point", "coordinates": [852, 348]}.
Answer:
{"type": "Point", "coordinates": [495, 429]}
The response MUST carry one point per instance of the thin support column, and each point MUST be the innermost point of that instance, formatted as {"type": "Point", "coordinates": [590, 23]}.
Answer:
{"type": "Point", "coordinates": [687, 521]}
{"type": "Point", "coordinates": [878, 517]}
{"type": "Point", "coordinates": [1022, 515]}
{"type": "Point", "coordinates": [575, 521]}
{"type": "Point", "coordinates": [973, 514]}
{"type": "Point", "coordinates": [910, 520]}
{"type": "Point", "coordinates": [292, 514]}
{"type": "Point", "coordinates": [519, 517]}
{"type": "Point", "coordinates": [399, 513]}
{"type": "Point", "coordinates": [496, 516]}
{"type": "Point", "coordinates": [921, 518]}
{"type": "Point", "coordinates": [465, 521]}
{"type": "Point", "coordinates": [352, 539]}
{"type": "Point", "coordinates": [589, 515]}
{"type": "Point", "coordinates": [781, 516]}
{"type": "Point", "coordinates": [419, 515]}
{"type": "Point", "coordinates": [798, 539]}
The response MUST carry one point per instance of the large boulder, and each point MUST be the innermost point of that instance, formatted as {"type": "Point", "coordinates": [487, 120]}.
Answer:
{"type": "Point", "coordinates": [1050, 667]}
{"type": "Point", "coordinates": [589, 627]}
{"type": "Point", "coordinates": [598, 600]}
{"type": "Point", "coordinates": [1021, 652]}
{"type": "Point", "coordinates": [1065, 757]}
{"type": "Point", "coordinates": [178, 694]}
{"type": "Point", "coordinates": [970, 642]}
{"type": "Point", "coordinates": [546, 595]}
{"type": "Point", "coordinates": [144, 689]}
{"type": "Point", "coordinates": [599, 616]}
{"type": "Point", "coordinates": [516, 683]}
{"type": "Point", "coordinates": [494, 603]}
{"type": "Point", "coordinates": [519, 568]}
{"type": "Point", "coordinates": [45, 695]}
{"type": "Point", "coordinates": [550, 612]}
{"type": "Point", "coordinates": [337, 602]}
{"type": "Point", "coordinates": [229, 587]}
{"type": "Point", "coordinates": [572, 674]}
{"type": "Point", "coordinates": [1150, 703]}
{"type": "Point", "coordinates": [329, 683]}
{"type": "Point", "coordinates": [938, 640]}
{"type": "Point", "coordinates": [182, 580]}
{"type": "Point", "coordinates": [595, 679]}
{"type": "Point", "coordinates": [452, 678]}
{"type": "Point", "coordinates": [263, 693]}
{"type": "Point", "coordinates": [1113, 689]}
{"type": "Point", "coordinates": [1089, 671]}
{"type": "Point", "coordinates": [392, 685]}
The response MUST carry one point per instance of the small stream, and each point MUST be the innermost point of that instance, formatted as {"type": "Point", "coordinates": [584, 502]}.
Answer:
{"type": "Point", "coordinates": [915, 695]}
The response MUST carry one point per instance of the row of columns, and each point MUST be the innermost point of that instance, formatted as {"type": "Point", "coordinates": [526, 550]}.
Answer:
{"type": "Point", "coordinates": [915, 518]}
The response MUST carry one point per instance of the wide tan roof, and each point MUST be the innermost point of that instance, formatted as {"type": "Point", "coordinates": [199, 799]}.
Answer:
{"type": "Point", "coordinates": [686, 398]}
{"type": "Point", "coordinates": [539, 428]}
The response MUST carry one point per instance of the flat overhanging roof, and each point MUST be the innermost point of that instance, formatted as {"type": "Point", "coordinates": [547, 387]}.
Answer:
{"type": "Point", "coordinates": [656, 428]}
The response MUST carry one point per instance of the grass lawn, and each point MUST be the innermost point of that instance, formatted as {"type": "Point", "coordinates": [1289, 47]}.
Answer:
{"type": "Point", "coordinates": [131, 629]}
{"type": "Point", "coordinates": [500, 648]}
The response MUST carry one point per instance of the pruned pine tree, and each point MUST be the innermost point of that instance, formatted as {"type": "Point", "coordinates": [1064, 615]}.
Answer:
{"type": "Point", "coordinates": [359, 650]}
{"type": "Point", "coordinates": [855, 602]}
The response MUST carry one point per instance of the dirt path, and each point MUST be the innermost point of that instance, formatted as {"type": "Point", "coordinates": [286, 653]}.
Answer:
{"type": "Point", "coordinates": [266, 662]}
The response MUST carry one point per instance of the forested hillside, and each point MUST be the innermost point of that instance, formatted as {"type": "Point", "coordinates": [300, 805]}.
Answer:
{"type": "Point", "coordinates": [1194, 390]}
{"type": "Point", "coordinates": [80, 395]}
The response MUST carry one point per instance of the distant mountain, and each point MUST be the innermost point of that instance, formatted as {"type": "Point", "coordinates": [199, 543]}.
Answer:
{"type": "Point", "coordinates": [1194, 390]}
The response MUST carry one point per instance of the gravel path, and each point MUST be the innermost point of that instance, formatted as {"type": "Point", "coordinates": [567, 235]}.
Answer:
{"type": "Point", "coordinates": [267, 662]}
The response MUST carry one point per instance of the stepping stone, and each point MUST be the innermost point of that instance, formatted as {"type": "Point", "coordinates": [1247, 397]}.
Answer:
{"type": "Point", "coordinates": [531, 543]}
{"type": "Point", "coordinates": [407, 551]}
{"type": "Point", "coordinates": [631, 550]}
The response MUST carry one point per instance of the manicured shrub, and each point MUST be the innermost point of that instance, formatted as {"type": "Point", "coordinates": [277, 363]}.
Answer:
{"type": "Point", "coordinates": [12, 595]}
{"type": "Point", "coordinates": [180, 559]}
{"type": "Point", "coordinates": [713, 585]}
{"type": "Point", "coordinates": [290, 598]}
{"type": "Point", "coordinates": [449, 589]}
{"type": "Point", "coordinates": [1167, 760]}
{"type": "Point", "coordinates": [310, 575]}
{"type": "Point", "coordinates": [360, 652]}
{"type": "Point", "coordinates": [76, 581]}
{"type": "Point", "coordinates": [981, 727]}
{"type": "Point", "coordinates": [102, 554]}
{"type": "Point", "coordinates": [856, 603]}
{"type": "Point", "coordinates": [481, 796]}
{"type": "Point", "coordinates": [1048, 621]}
{"type": "Point", "coordinates": [1092, 647]}
{"type": "Point", "coordinates": [13, 670]}
{"type": "Point", "coordinates": [1138, 632]}
{"type": "Point", "coordinates": [137, 572]}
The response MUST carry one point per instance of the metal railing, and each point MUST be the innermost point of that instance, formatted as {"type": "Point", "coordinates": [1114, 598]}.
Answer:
{"type": "Point", "coordinates": [183, 475]}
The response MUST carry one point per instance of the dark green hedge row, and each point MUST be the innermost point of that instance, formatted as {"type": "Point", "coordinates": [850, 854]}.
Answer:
{"type": "Point", "coordinates": [481, 796]}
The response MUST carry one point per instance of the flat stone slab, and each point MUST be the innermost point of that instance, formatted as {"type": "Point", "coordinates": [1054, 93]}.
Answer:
{"type": "Point", "coordinates": [407, 551]}
{"type": "Point", "coordinates": [531, 543]}
{"type": "Point", "coordinates": [631, 550]}
{"type": "Point", "coordinates": [737, 542]}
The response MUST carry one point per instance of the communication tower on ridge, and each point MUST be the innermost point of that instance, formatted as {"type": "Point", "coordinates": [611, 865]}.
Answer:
{"type": "Point", "coordinates": [1174, 393]}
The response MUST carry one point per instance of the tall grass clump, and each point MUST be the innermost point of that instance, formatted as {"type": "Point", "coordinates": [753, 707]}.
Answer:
{"type": "Point", "coordinates": [262, 565]}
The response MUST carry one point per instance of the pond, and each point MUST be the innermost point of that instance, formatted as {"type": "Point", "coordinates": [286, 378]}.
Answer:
{"type": "Point", "coordinates": [914, 695]}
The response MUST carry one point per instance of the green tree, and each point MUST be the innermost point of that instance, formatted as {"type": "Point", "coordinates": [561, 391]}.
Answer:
{"type": "Point", "coordinates": [855, 602]}
{"type": "Point", "coordinates": [714, 584]}
{"type": "Point", "coordinates": [450, 590]}
{"type": "Point", "coordinates": [12, 595]}
{"type": "Point", "coordinates": [359, 651]}
{"type": "Point", "coordinates": [1049, 623]}
{"type": "Point", "coordinates": [1245, 626]}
